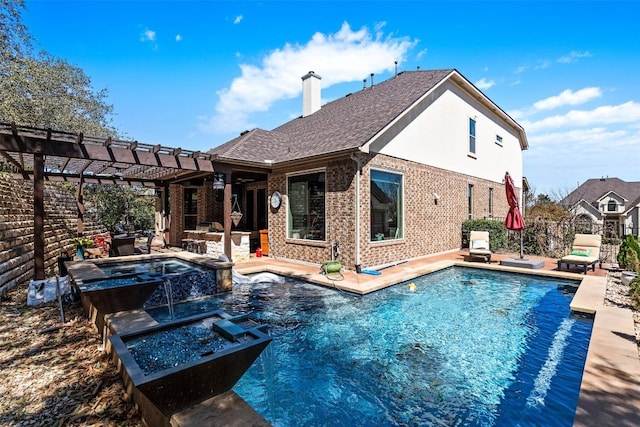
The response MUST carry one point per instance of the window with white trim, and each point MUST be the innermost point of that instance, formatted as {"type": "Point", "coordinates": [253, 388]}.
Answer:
{"type": "Point", "coordinates": [472, 136]}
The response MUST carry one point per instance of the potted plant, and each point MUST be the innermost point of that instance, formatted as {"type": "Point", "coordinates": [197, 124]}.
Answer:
{"type": "Point", "coordinates": [81, 244]}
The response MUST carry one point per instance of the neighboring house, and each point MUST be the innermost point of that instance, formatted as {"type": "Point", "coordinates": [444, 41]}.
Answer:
{"type": "Point", "coordinates": [611, 203]}
{"type": "Point", "coordinates": [390, 172]}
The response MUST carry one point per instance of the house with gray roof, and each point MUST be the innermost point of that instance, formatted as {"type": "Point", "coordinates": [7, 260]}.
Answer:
{"type": "Point", "coordinates": [384, 174]}
{"type": "Point", "coordinates": [613, 205]}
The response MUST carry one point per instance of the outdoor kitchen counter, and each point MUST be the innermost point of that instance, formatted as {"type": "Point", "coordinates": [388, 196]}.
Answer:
{"type": "Point", "coordinates": [213, 243]}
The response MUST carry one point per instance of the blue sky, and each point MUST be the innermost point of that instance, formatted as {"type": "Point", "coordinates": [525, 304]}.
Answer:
{"type": "Point", "coordinates": [194, 74]}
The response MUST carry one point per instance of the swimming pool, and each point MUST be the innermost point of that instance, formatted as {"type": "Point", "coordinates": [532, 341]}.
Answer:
{"type": "Point", "coordinates": [461, 346]}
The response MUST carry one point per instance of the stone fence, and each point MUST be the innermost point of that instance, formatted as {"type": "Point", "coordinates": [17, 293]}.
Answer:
{"type": "Point", "coordinates": [16, 229]}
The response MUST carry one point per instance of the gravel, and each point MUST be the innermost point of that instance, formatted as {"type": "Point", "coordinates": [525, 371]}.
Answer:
{"type": "Point", "coordinates": [617, 295]}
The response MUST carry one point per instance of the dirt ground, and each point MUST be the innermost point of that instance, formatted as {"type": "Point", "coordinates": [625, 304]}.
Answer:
{"type": "Point", "coordinates": [55, 374]}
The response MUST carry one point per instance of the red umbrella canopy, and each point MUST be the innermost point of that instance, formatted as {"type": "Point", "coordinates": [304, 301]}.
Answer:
{"type": "Point", "coordinates": [514, 220]}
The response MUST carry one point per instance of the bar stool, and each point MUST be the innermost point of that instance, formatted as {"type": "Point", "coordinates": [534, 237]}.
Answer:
{"type": "Point", "coordinates": [186, 244]}
{"type": "Point", "coordinates": [198, 246]}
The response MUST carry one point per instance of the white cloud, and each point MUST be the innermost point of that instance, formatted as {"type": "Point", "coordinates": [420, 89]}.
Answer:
{"type": "Point", "coordinates": [563, 158]}
{"type": "Point", "coordinates": [483, 84]}
{"type": "Point", "coordinates": [178, 37]}
{"type": "Point", "coordinates": [344, 56]}
{"type": "Point", "coordinates": [585, 137]}
{"type": "Point", "coordinates": [521, 69]}
{"type": "Point", "coordinates": [629, 112]}
{"type": "Point", "coordinates": [542, 64]}
{"type": "Point", "coordinates": [573, 57]}
{"type": "Point", "coordinates": [237, 19]}
{"type": "Point", "coordinates": [148, 36]}
{"type": "Point", "coordinates": [568, 97]}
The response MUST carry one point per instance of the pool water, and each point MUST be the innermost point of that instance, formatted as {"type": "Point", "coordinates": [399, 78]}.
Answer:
{"type": "Point", "coordinates": [160, 266]}
{"type": "Point", "coordinates": [457, 347]}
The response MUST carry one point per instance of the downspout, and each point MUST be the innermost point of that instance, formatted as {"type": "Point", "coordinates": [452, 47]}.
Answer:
{"type": "Point", "coordinates": [354, 157]}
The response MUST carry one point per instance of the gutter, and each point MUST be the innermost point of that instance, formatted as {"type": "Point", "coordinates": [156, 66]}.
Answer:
{"type": "Point", "coordinates": [354, 157]}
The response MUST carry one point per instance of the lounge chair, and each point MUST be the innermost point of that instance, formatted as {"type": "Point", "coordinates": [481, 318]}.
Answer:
{"type": "Point", "coordinates": [479, 245]}
{"type": "Point", "coordinates": [585, 252]}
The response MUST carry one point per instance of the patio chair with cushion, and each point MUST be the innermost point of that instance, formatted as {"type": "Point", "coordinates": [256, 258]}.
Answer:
{"type": "Point", "coordinates": [479, 245]}
{"type": "Point", "coordinates": [585, 252]}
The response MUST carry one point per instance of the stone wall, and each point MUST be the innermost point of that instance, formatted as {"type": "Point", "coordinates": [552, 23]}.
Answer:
{"type": "Point", "coordinates": [16, 229]}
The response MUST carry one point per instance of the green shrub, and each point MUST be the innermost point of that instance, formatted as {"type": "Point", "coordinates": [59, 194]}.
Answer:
{"type": "Point", "coordinates": [629, 250]}
{"type": "Point", "coordinates": [631, 260]}
{"type": "Point", "coordinates": [497, 232]}
{"type": "Point", "coordinates": [635, 293]}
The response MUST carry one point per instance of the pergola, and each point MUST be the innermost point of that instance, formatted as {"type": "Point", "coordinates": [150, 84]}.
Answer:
{"type": "Point", "coordinates": [49, 155]}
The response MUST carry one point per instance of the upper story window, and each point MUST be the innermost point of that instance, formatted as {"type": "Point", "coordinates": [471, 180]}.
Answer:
{"type": "Point", "coordinates": [306, 207]}
{"type": "Point", "coordinates": [612, 206]}
{"type": "Point", "coordinates": [472, 136]}
{"type": "Point", "coordinates": [386, 205]}
{"type": "Point", "coordinates": [499, 140]}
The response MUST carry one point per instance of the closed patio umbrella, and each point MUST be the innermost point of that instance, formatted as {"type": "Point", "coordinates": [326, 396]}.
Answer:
{"type": "Point", "coordinates": [514, 220]}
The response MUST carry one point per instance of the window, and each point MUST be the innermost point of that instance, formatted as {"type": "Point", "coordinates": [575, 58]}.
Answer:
{"type": "Point", "coordinates": [306, 208]}
{"type": "Point", "coordinates": [612, 206]}
{"type": "Point", "coordinates": [472, 136]}
{"type": "Point", "coordinates": [490, 202]}
{"type": "Point", "coordinates": [190, 208]}
{"type": "Point", "coordinates": [499, 140]}
{"type": "Point", "coordinates": [470, 201]}
{"type": "Point", "coordinates": [386, 205]}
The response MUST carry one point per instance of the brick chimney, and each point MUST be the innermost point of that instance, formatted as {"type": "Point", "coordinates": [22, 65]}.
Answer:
{"type": "Point", "coordinates": [310, 93]}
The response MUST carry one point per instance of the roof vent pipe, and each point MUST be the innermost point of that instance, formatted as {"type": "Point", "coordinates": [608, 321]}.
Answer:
{"type": "Point", "coordinates": [310, 93]}
{"type": "Point", "coordinates": [371, 79]}
{"type": "Point", "coordinates": [396, 64]}
{"type": "Point", "coordinates": [364, 84]}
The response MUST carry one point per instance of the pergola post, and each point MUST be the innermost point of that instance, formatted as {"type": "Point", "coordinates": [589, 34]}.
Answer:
{"type": "Point", "coordinates": [38, 216]}
{"type": "Point", "coordinates": [80, 206]}
{"type": "Point", "coordinates": [227, 215]}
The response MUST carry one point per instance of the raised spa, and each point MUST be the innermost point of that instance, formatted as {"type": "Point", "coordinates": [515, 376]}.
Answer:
{"type": "Point", "coordinates": [168, 368]}
{"type": "Point", "coordinates": [108, 286]}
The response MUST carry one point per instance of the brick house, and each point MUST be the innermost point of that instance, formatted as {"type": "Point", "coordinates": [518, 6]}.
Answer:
{"type": "Point", "coordinates": [390, 172]}
{"type": "Point", "coordinates": [609, 203]}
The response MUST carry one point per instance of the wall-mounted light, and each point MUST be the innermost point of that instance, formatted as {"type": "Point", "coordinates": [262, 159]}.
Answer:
{"type": "Point", "coordinates": [218, 181]}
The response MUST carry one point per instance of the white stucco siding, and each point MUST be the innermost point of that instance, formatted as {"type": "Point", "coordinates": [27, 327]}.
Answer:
{"type": "Point", "coordinates": [439, 137]}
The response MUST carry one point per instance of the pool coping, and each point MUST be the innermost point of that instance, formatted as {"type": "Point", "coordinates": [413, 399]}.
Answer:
{"type": "Point", "coordinates": [610, 387]}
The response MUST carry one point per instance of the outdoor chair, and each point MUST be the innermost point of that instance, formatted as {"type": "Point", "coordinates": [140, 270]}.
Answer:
{"type": "Point", "coordinates": [585, 252]}
{"type": "Point", "coordinates": [122, 246]}
{"type": "Point", "coordinates": [479, 245]}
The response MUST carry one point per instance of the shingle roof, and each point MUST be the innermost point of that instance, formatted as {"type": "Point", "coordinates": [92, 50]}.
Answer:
{"type": "Point", "coordinates": [343, 124]}
{"type": "Point", "coordinates": [593, 189]}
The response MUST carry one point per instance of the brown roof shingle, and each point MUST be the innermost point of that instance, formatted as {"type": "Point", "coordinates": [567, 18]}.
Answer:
{"type": "Point", "coordinates": [593, 189]}
{"type": "Point", "coordinates": [340, 125]}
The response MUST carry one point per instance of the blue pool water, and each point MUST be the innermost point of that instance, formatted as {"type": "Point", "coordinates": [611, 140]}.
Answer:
{"type": "Point", "coordinates": [462, 347]}
{"type": "Point", "coordinates": [150, 266]}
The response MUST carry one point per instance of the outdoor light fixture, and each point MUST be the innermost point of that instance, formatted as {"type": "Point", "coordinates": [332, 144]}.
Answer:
{"type": "Point", "coordinates": [218, 181]}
